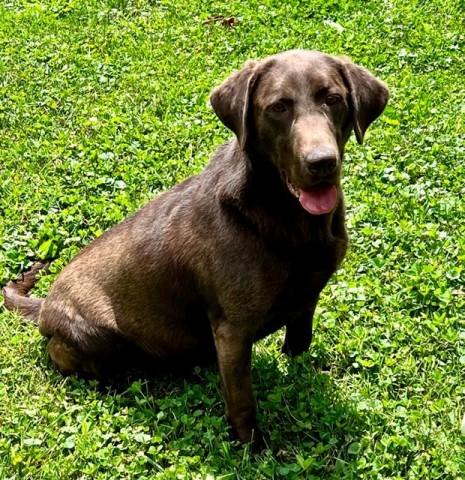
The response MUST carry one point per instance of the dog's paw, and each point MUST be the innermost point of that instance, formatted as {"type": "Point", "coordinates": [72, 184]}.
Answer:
{"type": "Point", "coordinates": [293, 350]}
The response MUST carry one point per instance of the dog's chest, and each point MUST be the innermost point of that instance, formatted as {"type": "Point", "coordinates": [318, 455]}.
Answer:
{"type": "Point", "coordinates": [295, 298]}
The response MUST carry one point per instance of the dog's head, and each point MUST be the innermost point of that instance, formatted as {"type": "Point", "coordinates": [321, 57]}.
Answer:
{"type": "Point", "coordinates": [298, 109]}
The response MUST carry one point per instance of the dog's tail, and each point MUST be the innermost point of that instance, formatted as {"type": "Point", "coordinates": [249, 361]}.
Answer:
{"type": "Point", "coordinates": [16, 293]}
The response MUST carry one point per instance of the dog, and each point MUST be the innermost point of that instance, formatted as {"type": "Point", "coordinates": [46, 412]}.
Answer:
{"type": "Point", "coordinates": [229, 255]}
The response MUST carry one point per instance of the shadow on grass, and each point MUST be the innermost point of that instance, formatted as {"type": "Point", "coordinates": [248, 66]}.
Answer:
{"type": "Point", "coordinates": [302, 408]}
{"type": "Point", "coordinates": [306, 421]}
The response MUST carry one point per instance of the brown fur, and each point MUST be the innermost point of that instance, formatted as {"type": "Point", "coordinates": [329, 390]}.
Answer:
{"type": "Point", "coordinates": [229, 255]}
{"type": "Point", "coordinates": [16, 293]}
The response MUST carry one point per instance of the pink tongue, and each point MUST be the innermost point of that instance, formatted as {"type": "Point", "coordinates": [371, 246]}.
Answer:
{"type": "Point", "coordinates": [318, 200]}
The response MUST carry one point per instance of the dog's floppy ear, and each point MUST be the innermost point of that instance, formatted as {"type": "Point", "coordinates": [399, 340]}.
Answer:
{"type": "Point", "coordinates": [232, 98]}
{"type": "Point", "coordinates": [368, 96]}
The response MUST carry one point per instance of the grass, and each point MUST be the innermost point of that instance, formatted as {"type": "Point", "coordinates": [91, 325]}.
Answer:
{"type": "Point", "coordinates": [104, 105]}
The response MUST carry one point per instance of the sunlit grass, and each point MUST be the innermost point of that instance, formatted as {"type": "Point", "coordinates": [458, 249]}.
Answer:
{"type": "Point", "coordinates": [104, 104]}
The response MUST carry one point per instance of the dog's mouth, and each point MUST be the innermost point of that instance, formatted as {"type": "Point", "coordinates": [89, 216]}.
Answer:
{"type": "Point", "coordinates": [317, 200]}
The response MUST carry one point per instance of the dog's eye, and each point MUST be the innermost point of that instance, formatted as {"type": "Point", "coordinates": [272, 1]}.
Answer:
{"type": "Point", "coordinates": [332, 99]}
{"type": "Point", "coordinates": [278, 107]}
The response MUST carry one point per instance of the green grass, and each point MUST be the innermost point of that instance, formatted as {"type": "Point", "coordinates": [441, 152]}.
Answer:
{"type": "Point", "coordinates": [104, 104]}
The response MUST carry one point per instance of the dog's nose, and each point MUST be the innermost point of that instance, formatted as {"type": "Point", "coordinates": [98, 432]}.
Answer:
{"type": "Point", "coordinates": [321, 161]}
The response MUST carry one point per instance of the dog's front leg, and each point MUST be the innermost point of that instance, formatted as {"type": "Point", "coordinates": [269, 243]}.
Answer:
{"type": "Point", "coordinates": [299, 332]}
{"type": "Point", "coordinates": [234, 351]}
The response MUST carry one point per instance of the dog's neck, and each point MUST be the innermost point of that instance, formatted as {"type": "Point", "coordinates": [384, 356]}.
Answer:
{"type": "Point", "coordinates": [256, 192]}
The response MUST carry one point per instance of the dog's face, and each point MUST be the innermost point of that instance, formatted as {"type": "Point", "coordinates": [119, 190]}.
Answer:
{"type": "Point", "coordinates": [298, 109]}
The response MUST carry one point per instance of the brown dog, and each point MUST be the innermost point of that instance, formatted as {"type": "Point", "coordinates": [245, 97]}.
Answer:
{"type": "Point", "coordinates": [229, 255]}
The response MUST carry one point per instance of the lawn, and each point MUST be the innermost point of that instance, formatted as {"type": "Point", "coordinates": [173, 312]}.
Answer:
{"type": "Point", "coordinates": [104, 104]}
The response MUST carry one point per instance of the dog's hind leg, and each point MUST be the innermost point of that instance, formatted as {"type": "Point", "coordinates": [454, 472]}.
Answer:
{"type": "Point", "coordinates": [78, 346]}
{"type": "Point", "coordinates": [66, 358]}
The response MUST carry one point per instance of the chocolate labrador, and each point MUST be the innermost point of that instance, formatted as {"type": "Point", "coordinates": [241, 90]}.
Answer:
{"type": "Point", "coordinates": [229, 255]}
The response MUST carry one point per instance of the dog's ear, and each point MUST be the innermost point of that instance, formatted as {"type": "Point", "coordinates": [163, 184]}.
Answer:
{"type": "Point", "coordinates": [368, 96]}
{"type": "Point", "coordinates": [231, 100]}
